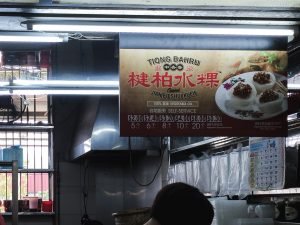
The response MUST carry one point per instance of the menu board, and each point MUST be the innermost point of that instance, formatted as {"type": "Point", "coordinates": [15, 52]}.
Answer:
{"type": "Point", "coordinates": [267, 163]}
{"type": "Point", "coordinates": [178, 92]}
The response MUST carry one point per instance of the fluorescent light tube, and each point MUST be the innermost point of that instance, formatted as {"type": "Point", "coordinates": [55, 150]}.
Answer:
{"type": "Point", "coordinates": [293, 86]}
{"type": "Point", "coordinates": [63, 92]}
{"type": "Point", "coordinates": [162, 29]}
{"type": "Point", "coordinates": [60, 87]}
{"type": "Point", "coordinates": [4, 92]}
{"type": "Point", "coordinates": [32, 37]}
{"type": "Point", "coordinates": [68, 83]}
{"type": "Point", "coordinates": [4, 83]}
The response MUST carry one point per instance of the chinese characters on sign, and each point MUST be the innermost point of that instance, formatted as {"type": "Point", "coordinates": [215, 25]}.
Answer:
{"type": "Point", "coordinates": [200, 93]}
{"type": "Point", "coordinates": [168, 80]}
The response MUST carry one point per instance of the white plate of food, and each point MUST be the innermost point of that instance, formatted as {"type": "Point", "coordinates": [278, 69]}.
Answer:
{"type": "Point", "coordinates": [256, 95]}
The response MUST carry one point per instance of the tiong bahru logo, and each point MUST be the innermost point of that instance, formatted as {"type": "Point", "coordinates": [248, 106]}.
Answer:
{"type": "Point", "coordinates": [174, 63]}
{"type": "Point", "coordinates": [173, 67]}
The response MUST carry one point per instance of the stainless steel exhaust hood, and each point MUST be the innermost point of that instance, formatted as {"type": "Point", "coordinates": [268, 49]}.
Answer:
{"type": "Point", "coordinates": [98, 129]}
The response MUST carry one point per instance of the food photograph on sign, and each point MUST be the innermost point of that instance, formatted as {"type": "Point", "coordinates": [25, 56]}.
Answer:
{"type": "Point", "coordinates": [202, 92]}
{"type": "Point", "coordinates": [257, 91]}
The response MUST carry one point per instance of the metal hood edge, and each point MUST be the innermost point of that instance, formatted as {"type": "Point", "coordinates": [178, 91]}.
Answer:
{"type": "Point", "coordinates": [98, 130]}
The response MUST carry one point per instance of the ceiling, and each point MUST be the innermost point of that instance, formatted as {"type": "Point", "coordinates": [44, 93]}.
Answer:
{"type": "Point", "coordinates": [258, 3]}
{"type": "Point", "coordinates": [282, 12]}
{"type": "Point", "coordinates": [193, 3]}
{"type": "Point", "coordinates": [15, 15]}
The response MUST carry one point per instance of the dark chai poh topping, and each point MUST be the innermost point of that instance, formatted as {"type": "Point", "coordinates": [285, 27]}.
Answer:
{"type": "Point", "coordinates": [242, 90]}
{"type": "Point", "coordinates": [262, 77]}
{"type": "Point", "coordinates": [268, 96]}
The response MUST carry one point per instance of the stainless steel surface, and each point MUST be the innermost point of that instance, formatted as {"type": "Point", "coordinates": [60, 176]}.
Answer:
{"type": "Point", "coordinates": [191, 41]}
{"type": "Point", "coordinates": [98, 123]}
{"type": "Point", "coordinates": [166, 161]}
{"type": "Point", "coordinates": [220, 142]}
{"type": "Point", "coordinates": [117, 190]}
{"type": "Point", "coordinates": [178, 3]}
{"type": "Point", "coordinates": [26, 127]}
{"type": "Point", "coordinates": [208, 12]}
{"type": "Point", "coordinates": [216, 142]}
{"type": "Point", "coordinates": [99, 129]}
{"type": "Point", "coordinates": [15, 17]}
{"type": "Point", "coordinates": [32, 170]}
{"type": "Point", "coordinates": [285, 223]}
{"type": "Point", "coordinates": [9, 23]}
{"type": "Point", "coordinates": [86, 60]}
{"type": "Point", "coordinates": [276, 192]}
{"type": "Point", "coordinates": [294, 127]}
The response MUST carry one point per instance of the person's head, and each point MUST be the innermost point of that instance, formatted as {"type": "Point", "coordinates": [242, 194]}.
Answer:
{"type": "Point", "coordinates": [181, 204]}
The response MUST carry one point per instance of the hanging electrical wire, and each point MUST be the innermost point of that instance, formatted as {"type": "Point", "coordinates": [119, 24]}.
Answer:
{"type": "Point", "coordinates": [131, 164]}
{"type": "Point", "coordinates": [85, 220]}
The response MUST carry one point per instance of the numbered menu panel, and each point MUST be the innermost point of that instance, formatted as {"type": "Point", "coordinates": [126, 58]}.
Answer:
{"type": "Point", "coordinates": [267, 163]}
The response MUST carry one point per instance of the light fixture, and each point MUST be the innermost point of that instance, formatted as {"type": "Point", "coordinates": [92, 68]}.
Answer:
{"type": "Point", "coordinates": [32, 37]}
{"type": "Point", "coordinates": [162, 29]}
{"type": "Point", "coordinates": [293, 116]}
{"type": "Point", "coordinates": [59, 87]}
{"type": "Point", "coordinates": [293, 87]}
{"type": "Point", "coordinates": [63, 92]}
{"type": "Point", "coordinates": [4, 83]}
{"type": "Point", "coordinates": [68, 83]}
{"type": "Point", "coordinates": [53, 91]}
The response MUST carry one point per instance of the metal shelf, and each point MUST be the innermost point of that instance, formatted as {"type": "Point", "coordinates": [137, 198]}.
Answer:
{"type": "Point", "coordinates": [278, 192]}
{"type": "Point", "coordinates": [25, 127]}
{"type": "Point", "coordinates": [29, 170]}
{"type": "Point", "coordinates": [212, 143]}
{"type": "Point", "coordinates": [289, 191]}
{"type": "Point", "coordinates": [285, 223]}
{"type": "Point", "coordinates": [220, 142]}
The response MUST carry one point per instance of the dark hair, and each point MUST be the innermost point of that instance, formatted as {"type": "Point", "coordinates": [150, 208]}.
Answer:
{"type": "Point", "coordinates": [181, 204]}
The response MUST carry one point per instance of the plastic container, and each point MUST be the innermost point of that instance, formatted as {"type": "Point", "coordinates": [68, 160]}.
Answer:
{"type": "Point", "coordinates": [7, 205]}
{"type": "Point", "coordinates": [265, 210]}
{"type": "Point", "coordinates": [253, 221]}
{"type": "Point", "coordinates": [47, 206]}
{"type": "Point", "coordinates": [1, 154]}
{"type": "Point", "coordinates": [14, 152]}
{"type": "Point", "coordinates": [228, 210]}
{"type": "Point", "coordinates": [35, 203]}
